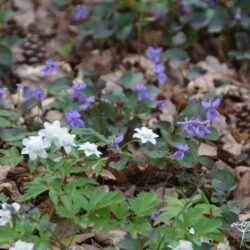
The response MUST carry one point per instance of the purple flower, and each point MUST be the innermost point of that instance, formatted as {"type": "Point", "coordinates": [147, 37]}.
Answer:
{"type": "Point", "coordinates": [162, 78]}
{"type": "Point", "coordinates": [87, 102]}
{"type": "Point", "coordinates": [185, 6]}
{"type": "Point", "coordinates": [161, 103]}
{"type": "Point", "coordinates": [159, 69]}
{"type": "Point", "coordinates": [77, 92]}
{"type": "Point", "coordinates": [142, 92]}
{"type": "Point", "coordinates": [115, 144]}
{"type": "Point", "coordinates": [159, 14]}
{"type": "Point", "coordinates": [81, 12]}
{"type": "Point", "coordinates": [2, 93]}
{"type": "Point", "coordinates": [212, 2]}
{"type": "Point", "coordinates": [201, 130]}
{"type": "Point", "coordinates": [180, 153]}
{"type": "Point", "coordinates": [28, 91]}
{"type": "Point", "coordinates": [237, 16]}
{"type": "Point", "coordinates": [189, 128]}
{"type": "Point", "coordinates": [211, 108]}
{"type": "Point", "coordinates": [40, 94]}
{"type": "Point", "coordinates": [50, 66]}
{"type": "Point", "coordinates": [154, 54]}
{"type": "Point", "coordinates": [73, 119]}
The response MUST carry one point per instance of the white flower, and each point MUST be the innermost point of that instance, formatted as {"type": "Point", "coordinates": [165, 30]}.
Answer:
{"type": "Point", "coordinates": [89, 149]}
{"type": "Point", "coordinates": [67, 142]}
{"type": "Point", "coordinates": [6, 213]}
{"type": "Point", "coordinates": [5, 217]}
{"type": "Point", "coordinates": [22, 245]}
{"type": "Point", "coordinates": [184, 245]}
{"type": "Point", "coordinates": [34, 147]}
{"type": "Point", "coordinates": [146, 135]}
{"type": "Point", "coordinates": [52, 133]}
{"type": "Point", "coordinates": [191, 230]}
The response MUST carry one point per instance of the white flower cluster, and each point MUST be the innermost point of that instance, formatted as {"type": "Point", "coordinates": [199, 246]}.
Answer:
{"type": "Point", "coordinates": [53, 133]}
{"type": "Point", "coordinates": [22, 245]}
{"type": "Point", "coordinates": [145, 135]}
{"type": "Point", "coordinates": [184, 245]}
{"type": "Point", "coordinates": [6, 213]}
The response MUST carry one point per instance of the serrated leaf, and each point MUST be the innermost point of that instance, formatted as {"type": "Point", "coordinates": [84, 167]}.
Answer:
{"type": "Point", "coordinates": [59, 85]}
{"type": "Point", "coordinates": [159, 150]}
{"type": "Point", "coordinates": [143, 204]}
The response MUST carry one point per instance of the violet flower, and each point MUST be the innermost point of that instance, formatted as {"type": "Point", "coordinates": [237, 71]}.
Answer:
{"type": "Point", "coordinates": [160, 104]}
{"type": "Point", "coordinates": [142, 92]}
{"type": "Point", "coordinates": [185, 6]}
{"type": "Point", "coordinates": [2, 93]}
{"type": "Point", "coordinates": [113, 146]}
{"type": "Point", "coordinates": [40, 94]}
{"type": "Point", "coordinates": [73, 119]}
{"type": "Point", "coordinates": [154, 54]}
{"type": "Point", "coordinates": [162, 78]}
{"type": "Point", "coordinates": [50, 66]}
{"type": "Point", "coordinates": [196, 127]}
{"type": "Point", "coordinates": [87, 102]}
{"type": "Point", "coordinates": [211, 108]}
{"type": "Point", "coordinates": [77, 92]}
{"type": "Point", "coordinates": [237, 16]}
{"type": "Point", "coordinates": [180, 153]}
{"type": "Point", "coordinates": [81, 12]}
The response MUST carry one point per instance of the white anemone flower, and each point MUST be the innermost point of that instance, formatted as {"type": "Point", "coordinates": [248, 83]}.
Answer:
{"type": "Point", "coordinates": [145, 135]}
{"type": "Point", "coordinates": [6, 213]}
{"type": "Point", "coordinates": [22, 245]}
{"type": "Point", "coordinates": [184, 245]}
{"type": "Point", "coordinates": [89, 149]}
{"type": "Point", "coordinates": [52, 133]}
{"type": "Point", "coordinates": [67, 142]}
{"type": "Point", "coordinates": [35, 147]}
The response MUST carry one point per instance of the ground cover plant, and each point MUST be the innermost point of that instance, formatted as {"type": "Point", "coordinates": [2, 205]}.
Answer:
{"type": "Point", "coordinates": [124, 124]}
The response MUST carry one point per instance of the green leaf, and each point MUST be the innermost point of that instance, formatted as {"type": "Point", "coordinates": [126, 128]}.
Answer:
{"type": "Point", "coordinates": [13, 134]}
{"type": "Point", "coordinates": [28, 104]}
{"type": "Point", "coordinates": [59, 85]}
{"type": "Point", "coordinates": [159, 150]}
{"type": "Point", "coordinates": [129, 80]}
{"type": "Point", "coordinates": [8, 113]}
{"type": "Point", "coordinates": [5, 15]}
{"type": "Point", "coordinates": [200, 19]}
{"type": "Point", "coordinates": [223, 181]}
{"type": "Point", "coordinates": [5, 122]}
{"type": "Point", "coordinates": [143, 204]}
{"type": "Point", "coordinates": [5, 56]}
{"type": "Point", "coordinates": [11, 156]}
{"type": "Point", "coordinates": [119, 165]}
{"type": "Point", "coordinates": [175, 54]}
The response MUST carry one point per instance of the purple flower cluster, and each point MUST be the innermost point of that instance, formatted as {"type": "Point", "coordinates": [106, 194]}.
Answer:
{"type": "Point", "coordinates": [159, 71]}
{"type": "Point", "coordinates": [38, 93]}
{"type": "Point", "coordinates": [211, 108]}
{"type": "Point", "coordinates": [185, 6]}
{"type": "Point", "coordinates": [50, 66]}
{"type": "Point", "coordinates": [142, 92]}
{"type": "Point", "coordinates": [2, 93]}
{"type": "Point", "coordinates": [154, 55]}
{"type": "Point", "coordinates": [78, 94]}
{"type": "Point", "coordinates": [180, 153]}
{"type": "Point", "coordinates": [159, 14]}
{"type": "Point", "coordinates": [161, 103]}
{"type": "Point", "coordinates": [196, 127]}
{"type": "Point", "coordinates": [114, 146]}
{"type": "Point", "coordinates": [237, 16]}
{"type": "Point", "coordinates": [81, 12]}
{"type": "Point", "coordinates": [73, 119]}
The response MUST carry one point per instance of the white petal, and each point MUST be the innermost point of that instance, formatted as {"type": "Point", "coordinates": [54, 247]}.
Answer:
{"type": "Point", "coordinates": [153, 141]}
{"type": "Point", "coordinates": [16, 206]}
{"type": "Point", "coordinates": [32, 156]}
{"type": "Point", "coordinates": [25, 151]}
